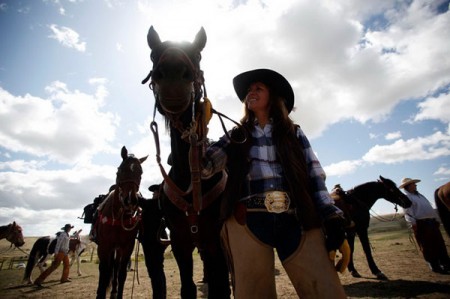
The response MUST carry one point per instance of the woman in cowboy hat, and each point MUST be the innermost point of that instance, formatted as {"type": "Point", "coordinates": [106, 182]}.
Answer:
{"type": "Point", "coordinates": [422, 218]}
{"type": "Point", "coordinates": [275, 196]}
{"type": "Point", "coordinates": [61, 256]}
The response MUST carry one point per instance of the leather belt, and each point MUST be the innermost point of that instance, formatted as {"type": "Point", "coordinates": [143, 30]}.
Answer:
{"type": "Point", "coordinates": [272, 202]}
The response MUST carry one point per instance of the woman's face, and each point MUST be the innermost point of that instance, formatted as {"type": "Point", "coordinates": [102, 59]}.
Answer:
{"type": "Point", "coordinates": [258, 97]}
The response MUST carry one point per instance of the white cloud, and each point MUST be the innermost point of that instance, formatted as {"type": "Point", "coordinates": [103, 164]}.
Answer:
{"type": "Point", "coordinates": [67, 37]}
{"type": "Point", "coordinates": [67, 127]}
{"type": "Point", "coordinates": [414, 149]}
{"type": "Point", "coordinates": [343, 168]}
{"type": "Point", "coordinates": [442, 171]}
{"type": "Point", "coordinates": [435, 108]}
{"type": "Point", "coordinates": [393, 135]}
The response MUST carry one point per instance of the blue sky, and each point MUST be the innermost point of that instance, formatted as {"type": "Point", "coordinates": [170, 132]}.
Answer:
{"type": "Point", "coordinates": [371, 81]}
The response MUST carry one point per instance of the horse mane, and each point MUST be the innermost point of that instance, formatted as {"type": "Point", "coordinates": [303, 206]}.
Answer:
{"type": "Point", "coordinates": [361, 186]}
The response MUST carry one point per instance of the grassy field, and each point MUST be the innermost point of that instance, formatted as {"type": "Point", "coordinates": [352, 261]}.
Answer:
{"type": "Point", "coordinates": [394, 251]}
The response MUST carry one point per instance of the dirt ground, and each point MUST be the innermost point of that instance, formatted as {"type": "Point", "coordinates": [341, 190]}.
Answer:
{"type": "Point", "coordinates": [394, 252]}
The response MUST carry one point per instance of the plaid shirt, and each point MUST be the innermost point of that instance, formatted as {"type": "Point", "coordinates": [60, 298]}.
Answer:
{"type": "Point", "coordinates": [266, 173]}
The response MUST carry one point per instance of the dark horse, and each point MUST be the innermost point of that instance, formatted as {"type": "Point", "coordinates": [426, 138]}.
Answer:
{"type": "Point", "coordinates": [356, 204]}
{"type": "Point", "coordinates": [13, 233]}
{"type": "Point", "coordinates": [190, 205]}
{"type": "Point", "coordinates": [117, 226]}
{"type": "Point", "coordinates": [442, 200]}
{"type": "Point", "coordinates": [44, 247]}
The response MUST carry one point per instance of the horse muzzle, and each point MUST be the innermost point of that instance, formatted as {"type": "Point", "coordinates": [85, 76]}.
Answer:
{"type": "Point", "coordinates": [173, 80]}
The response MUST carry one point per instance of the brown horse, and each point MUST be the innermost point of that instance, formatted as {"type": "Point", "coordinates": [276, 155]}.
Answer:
{"type": "Point", "coordinates": [117, 226]}
{"type": "Point", "coordinates": [442, 200]}
{"type": "Point", "coordinates": [13, 233]}
{"type": "Point", "coordinates": [356, 204]}
{"type": "Point", "coordinates": [190, 205]}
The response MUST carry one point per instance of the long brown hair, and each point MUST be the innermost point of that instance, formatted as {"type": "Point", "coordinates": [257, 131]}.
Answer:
{"type": "Point", "coordinates": [290, 155]}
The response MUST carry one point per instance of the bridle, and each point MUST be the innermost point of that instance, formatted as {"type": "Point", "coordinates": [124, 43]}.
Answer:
{"type": "Point", "coordinates": [124, 177]}
{"type": "Point", "coordinates": [195, 133]}
{"type": "Point", "coordinates": [11, 234]}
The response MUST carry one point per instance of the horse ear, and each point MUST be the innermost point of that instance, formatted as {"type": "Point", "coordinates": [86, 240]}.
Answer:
{"type": "Point", "coordinates": [153, 39]}
{"type": "Point", "coordinates": [200, 39]}
{"type": "Point", "coordinates": [382, 178]}
{"type": "Point", "coordinates": [124, 152]}
{"type": "Point", "coordinates": [142, 160]}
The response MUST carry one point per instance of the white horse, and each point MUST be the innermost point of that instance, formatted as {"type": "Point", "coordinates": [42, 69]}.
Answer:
{"type": "Point", "coordinates": [44, 248]}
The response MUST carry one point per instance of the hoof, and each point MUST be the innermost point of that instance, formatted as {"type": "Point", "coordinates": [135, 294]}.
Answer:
{"type": "Point", "coordinates": [381, 276]}
{"type": "Point", "coordinates": [355, 274]}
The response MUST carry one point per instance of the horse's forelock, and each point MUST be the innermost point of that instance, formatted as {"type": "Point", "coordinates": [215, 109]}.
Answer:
{"type": "Point", "coordinates": [129, 170]}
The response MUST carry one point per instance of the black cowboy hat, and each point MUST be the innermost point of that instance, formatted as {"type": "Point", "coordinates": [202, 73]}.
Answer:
{"type": "Point", "coordinates": [154, 188]}
{"type": "Point", "coordinates": [113, 187]}
{"type": "Point", "coordinates": [66, 226]}
{"type": "Point", "coordinates": [271, 78]}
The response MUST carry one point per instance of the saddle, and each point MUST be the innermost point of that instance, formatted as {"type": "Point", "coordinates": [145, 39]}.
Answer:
{"type": "Point", "coordinates": [343, 201]}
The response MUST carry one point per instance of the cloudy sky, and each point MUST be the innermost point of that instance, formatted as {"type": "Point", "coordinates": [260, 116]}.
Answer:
{"type": "Point", "coordinates": [371, 80]}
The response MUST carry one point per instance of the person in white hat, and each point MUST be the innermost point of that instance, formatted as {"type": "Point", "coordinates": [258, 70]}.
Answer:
{"type": "Point", "coordinates": [275, 199]}
{"type": "Point", "coordinates": [61, 256]}
{"type": "Point", "coordinates": [422, 218]}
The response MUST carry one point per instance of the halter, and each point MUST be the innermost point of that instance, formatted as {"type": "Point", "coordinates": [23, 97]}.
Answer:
{"type": "Point", "coordinates": [195, 134]}
{"type": "Point", "coordinates": [127, 172]}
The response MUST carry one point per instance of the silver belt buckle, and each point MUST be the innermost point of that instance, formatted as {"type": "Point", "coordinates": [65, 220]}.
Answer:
{"type": "Point", "coordinates": [277, 202]}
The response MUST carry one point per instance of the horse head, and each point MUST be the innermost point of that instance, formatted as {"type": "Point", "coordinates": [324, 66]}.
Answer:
{"type": "Point", "coordinates": [393, 194]}
{"type": "Point", "coordinates": [15, 235]}
{"type": "Point", "coordinates": [128, 178]}
{"type": "Point", "coordinates": [176, 77]}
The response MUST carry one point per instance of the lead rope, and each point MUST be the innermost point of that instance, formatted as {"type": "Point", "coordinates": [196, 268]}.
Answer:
{"type": "Point", "coordinates": [135, 272]}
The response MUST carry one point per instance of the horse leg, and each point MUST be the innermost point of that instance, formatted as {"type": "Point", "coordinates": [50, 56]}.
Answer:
{"type": "Point", "coordinates": [364, 238]}
{"type": "Point", "coordinates": [42, 261]}
{"type": "Point", "coordinates": [122, 274]}
{"type": "Point", "coordinates": [351, 243]}
{"type": "Point", "coordinates": [115, 273]}
{"type": "Point", "coordinates": [78, 265]}
{"type": "Point", "coordinates": [105, 273]}
{"type": "Point", "coordinates": [183, 256]}
{"type": "Point", "coordinates": [216, 268]}
{"type": "Point", "coordinates": [31, 263]}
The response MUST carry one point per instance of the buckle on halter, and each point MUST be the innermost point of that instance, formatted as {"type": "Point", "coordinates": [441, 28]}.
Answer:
{"type": "Point", "coordinates": [277, 201]}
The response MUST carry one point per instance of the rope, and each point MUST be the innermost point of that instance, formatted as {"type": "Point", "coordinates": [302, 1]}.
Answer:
{"type": "Point", "coordinates": [135, 272]}
{"type": "Point", "coordinates": [384, 219]}
{"type": "Point", "coordinates": [8, 249]}
{"type": "Point", "coordinates": [13, 248]}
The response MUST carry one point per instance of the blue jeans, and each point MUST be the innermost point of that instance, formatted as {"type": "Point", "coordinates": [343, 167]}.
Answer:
{"type": "Point", "coordinates": [280, 231]}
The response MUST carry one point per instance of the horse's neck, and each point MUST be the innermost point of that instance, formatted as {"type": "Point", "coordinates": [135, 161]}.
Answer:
{"type": "Point", "coordinates": [4, 231]}
{"type": "Point", "coordinates": [180, 168]}
{"type": "Point", "coordinates": [367, 193]}
{"type": "Point", "coordinates": [111, 205]}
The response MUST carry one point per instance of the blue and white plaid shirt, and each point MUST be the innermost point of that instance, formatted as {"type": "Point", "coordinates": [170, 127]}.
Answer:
{"type": "Point", "coordinates": [266, 173]}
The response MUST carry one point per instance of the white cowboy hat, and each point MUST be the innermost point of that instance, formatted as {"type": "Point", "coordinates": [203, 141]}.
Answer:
{"type": "Point", "coordinates": [407, 181]}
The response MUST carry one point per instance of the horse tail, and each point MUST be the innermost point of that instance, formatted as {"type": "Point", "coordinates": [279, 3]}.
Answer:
{"type": "Point", "coordinates": [443, 211]}
{"type": "Point", "coordinates": [39, 249]}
